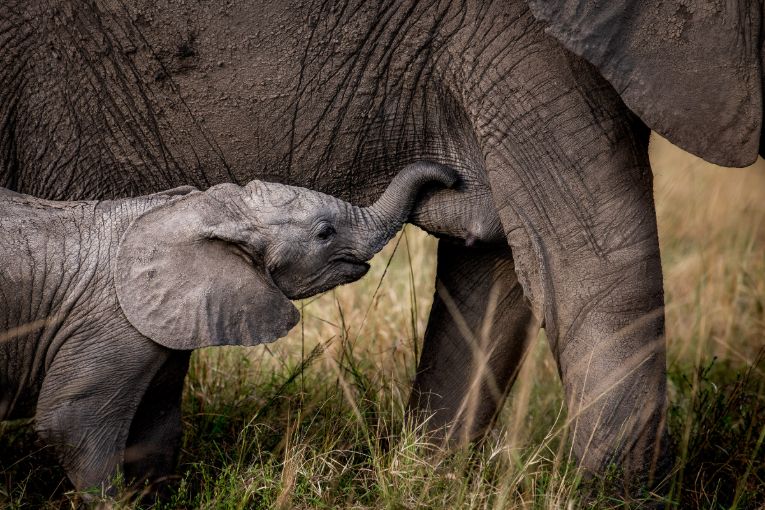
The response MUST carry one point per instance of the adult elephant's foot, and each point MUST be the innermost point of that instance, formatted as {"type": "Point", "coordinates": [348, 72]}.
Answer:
{"type": "Point", "coordinates": [569, 171]}
{"type": "Point", "coordinates": [479, 328]}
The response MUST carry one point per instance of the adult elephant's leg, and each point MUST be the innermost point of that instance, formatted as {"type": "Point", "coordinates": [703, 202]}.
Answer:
{"type": "Point", "coordinates": [569, 171]}
{"type": "Point", "coordinates": [151, 451]}
{"type": "Point", "coordinates": [479, 327]}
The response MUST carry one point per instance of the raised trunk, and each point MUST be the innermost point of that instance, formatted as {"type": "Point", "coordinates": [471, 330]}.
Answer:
{"type": "Point", "coordinates": [384, 218]}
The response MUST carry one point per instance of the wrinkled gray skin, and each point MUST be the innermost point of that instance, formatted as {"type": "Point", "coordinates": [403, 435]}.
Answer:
{"type": "Point", "coordinates": [97, 295]}
{"type": "Point", "coordinates": [690, 69]}
{"type": "Point", "coordinates": [338, 96]}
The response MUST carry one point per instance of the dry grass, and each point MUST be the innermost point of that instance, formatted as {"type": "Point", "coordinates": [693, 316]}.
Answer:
{"type": "Point", "coordinates": [316, 419]}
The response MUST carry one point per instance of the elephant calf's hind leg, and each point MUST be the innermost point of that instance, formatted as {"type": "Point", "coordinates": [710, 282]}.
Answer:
{"type": "Point", "coordinates": [152, 446]}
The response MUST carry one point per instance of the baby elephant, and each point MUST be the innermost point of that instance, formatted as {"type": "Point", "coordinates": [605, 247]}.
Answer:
{"type": "Point", "coordinates": [101, 301]}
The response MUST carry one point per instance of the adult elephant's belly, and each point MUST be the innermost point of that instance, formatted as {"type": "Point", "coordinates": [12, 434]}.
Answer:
{"type": "Point", "coordinates": [146, 97]}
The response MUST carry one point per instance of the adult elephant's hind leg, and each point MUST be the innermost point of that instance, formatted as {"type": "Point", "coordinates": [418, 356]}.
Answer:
{"type": "Point", "coordinates": [477, 334]}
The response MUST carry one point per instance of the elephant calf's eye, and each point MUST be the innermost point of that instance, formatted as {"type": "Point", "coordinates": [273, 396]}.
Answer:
{"type": "Point", "coordinates": [325, 232]}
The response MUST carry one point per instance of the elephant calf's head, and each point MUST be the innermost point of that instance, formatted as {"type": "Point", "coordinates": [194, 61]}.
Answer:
{"type": "Point", "coordinates": [316, 242]}
{"type": "Point", "coordinates": [219, 267]}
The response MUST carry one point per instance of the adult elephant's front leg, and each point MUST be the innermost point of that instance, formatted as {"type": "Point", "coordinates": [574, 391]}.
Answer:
{"type": "Point", "coordinates": [569, 171]}
{"type": "Point", "coordinates": [479, 327]}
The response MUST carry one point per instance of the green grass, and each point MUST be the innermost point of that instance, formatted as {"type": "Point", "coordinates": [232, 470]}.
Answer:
{"type": "Point", "coordinates": [316, 420]}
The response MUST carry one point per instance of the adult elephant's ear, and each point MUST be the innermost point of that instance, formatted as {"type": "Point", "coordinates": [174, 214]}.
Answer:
{"type": "Point", "coordinates": [690, 70]}
{"type": "Point", "coordinates": [188, 275]}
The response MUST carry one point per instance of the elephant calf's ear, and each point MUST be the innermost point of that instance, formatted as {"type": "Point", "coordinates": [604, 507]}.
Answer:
{"type": "Point", "coordinates": [185, 288]}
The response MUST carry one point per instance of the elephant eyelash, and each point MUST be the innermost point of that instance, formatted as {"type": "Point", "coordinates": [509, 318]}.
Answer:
{"type": "Point", "coordinates": [324, 231]}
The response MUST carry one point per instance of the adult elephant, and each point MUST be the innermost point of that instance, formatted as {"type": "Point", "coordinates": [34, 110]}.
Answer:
{"type": "Point", "coordinates": [106, 99]}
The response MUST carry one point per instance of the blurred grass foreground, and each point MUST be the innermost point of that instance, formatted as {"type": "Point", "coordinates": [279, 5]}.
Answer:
{"type": "Point", "coordinates": [315, 420]}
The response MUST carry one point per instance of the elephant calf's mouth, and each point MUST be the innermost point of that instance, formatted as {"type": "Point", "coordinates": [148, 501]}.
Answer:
{"type": "Point", "coordinates": [352, 268]}
{"type": "Point", "coordinates": [338, 272]}
{"type": "Point", "coordinates": [345, 270]}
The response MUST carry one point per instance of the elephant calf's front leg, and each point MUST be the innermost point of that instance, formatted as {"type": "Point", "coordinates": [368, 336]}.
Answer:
{"type": "Point", "coordinates": [479, 328]}
{"type": "Point", "coordinates": [87, 402]}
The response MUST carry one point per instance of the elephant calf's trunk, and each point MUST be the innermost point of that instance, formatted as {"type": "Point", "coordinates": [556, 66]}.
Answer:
{"type": "Point", "coordinates": [392, 209]}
